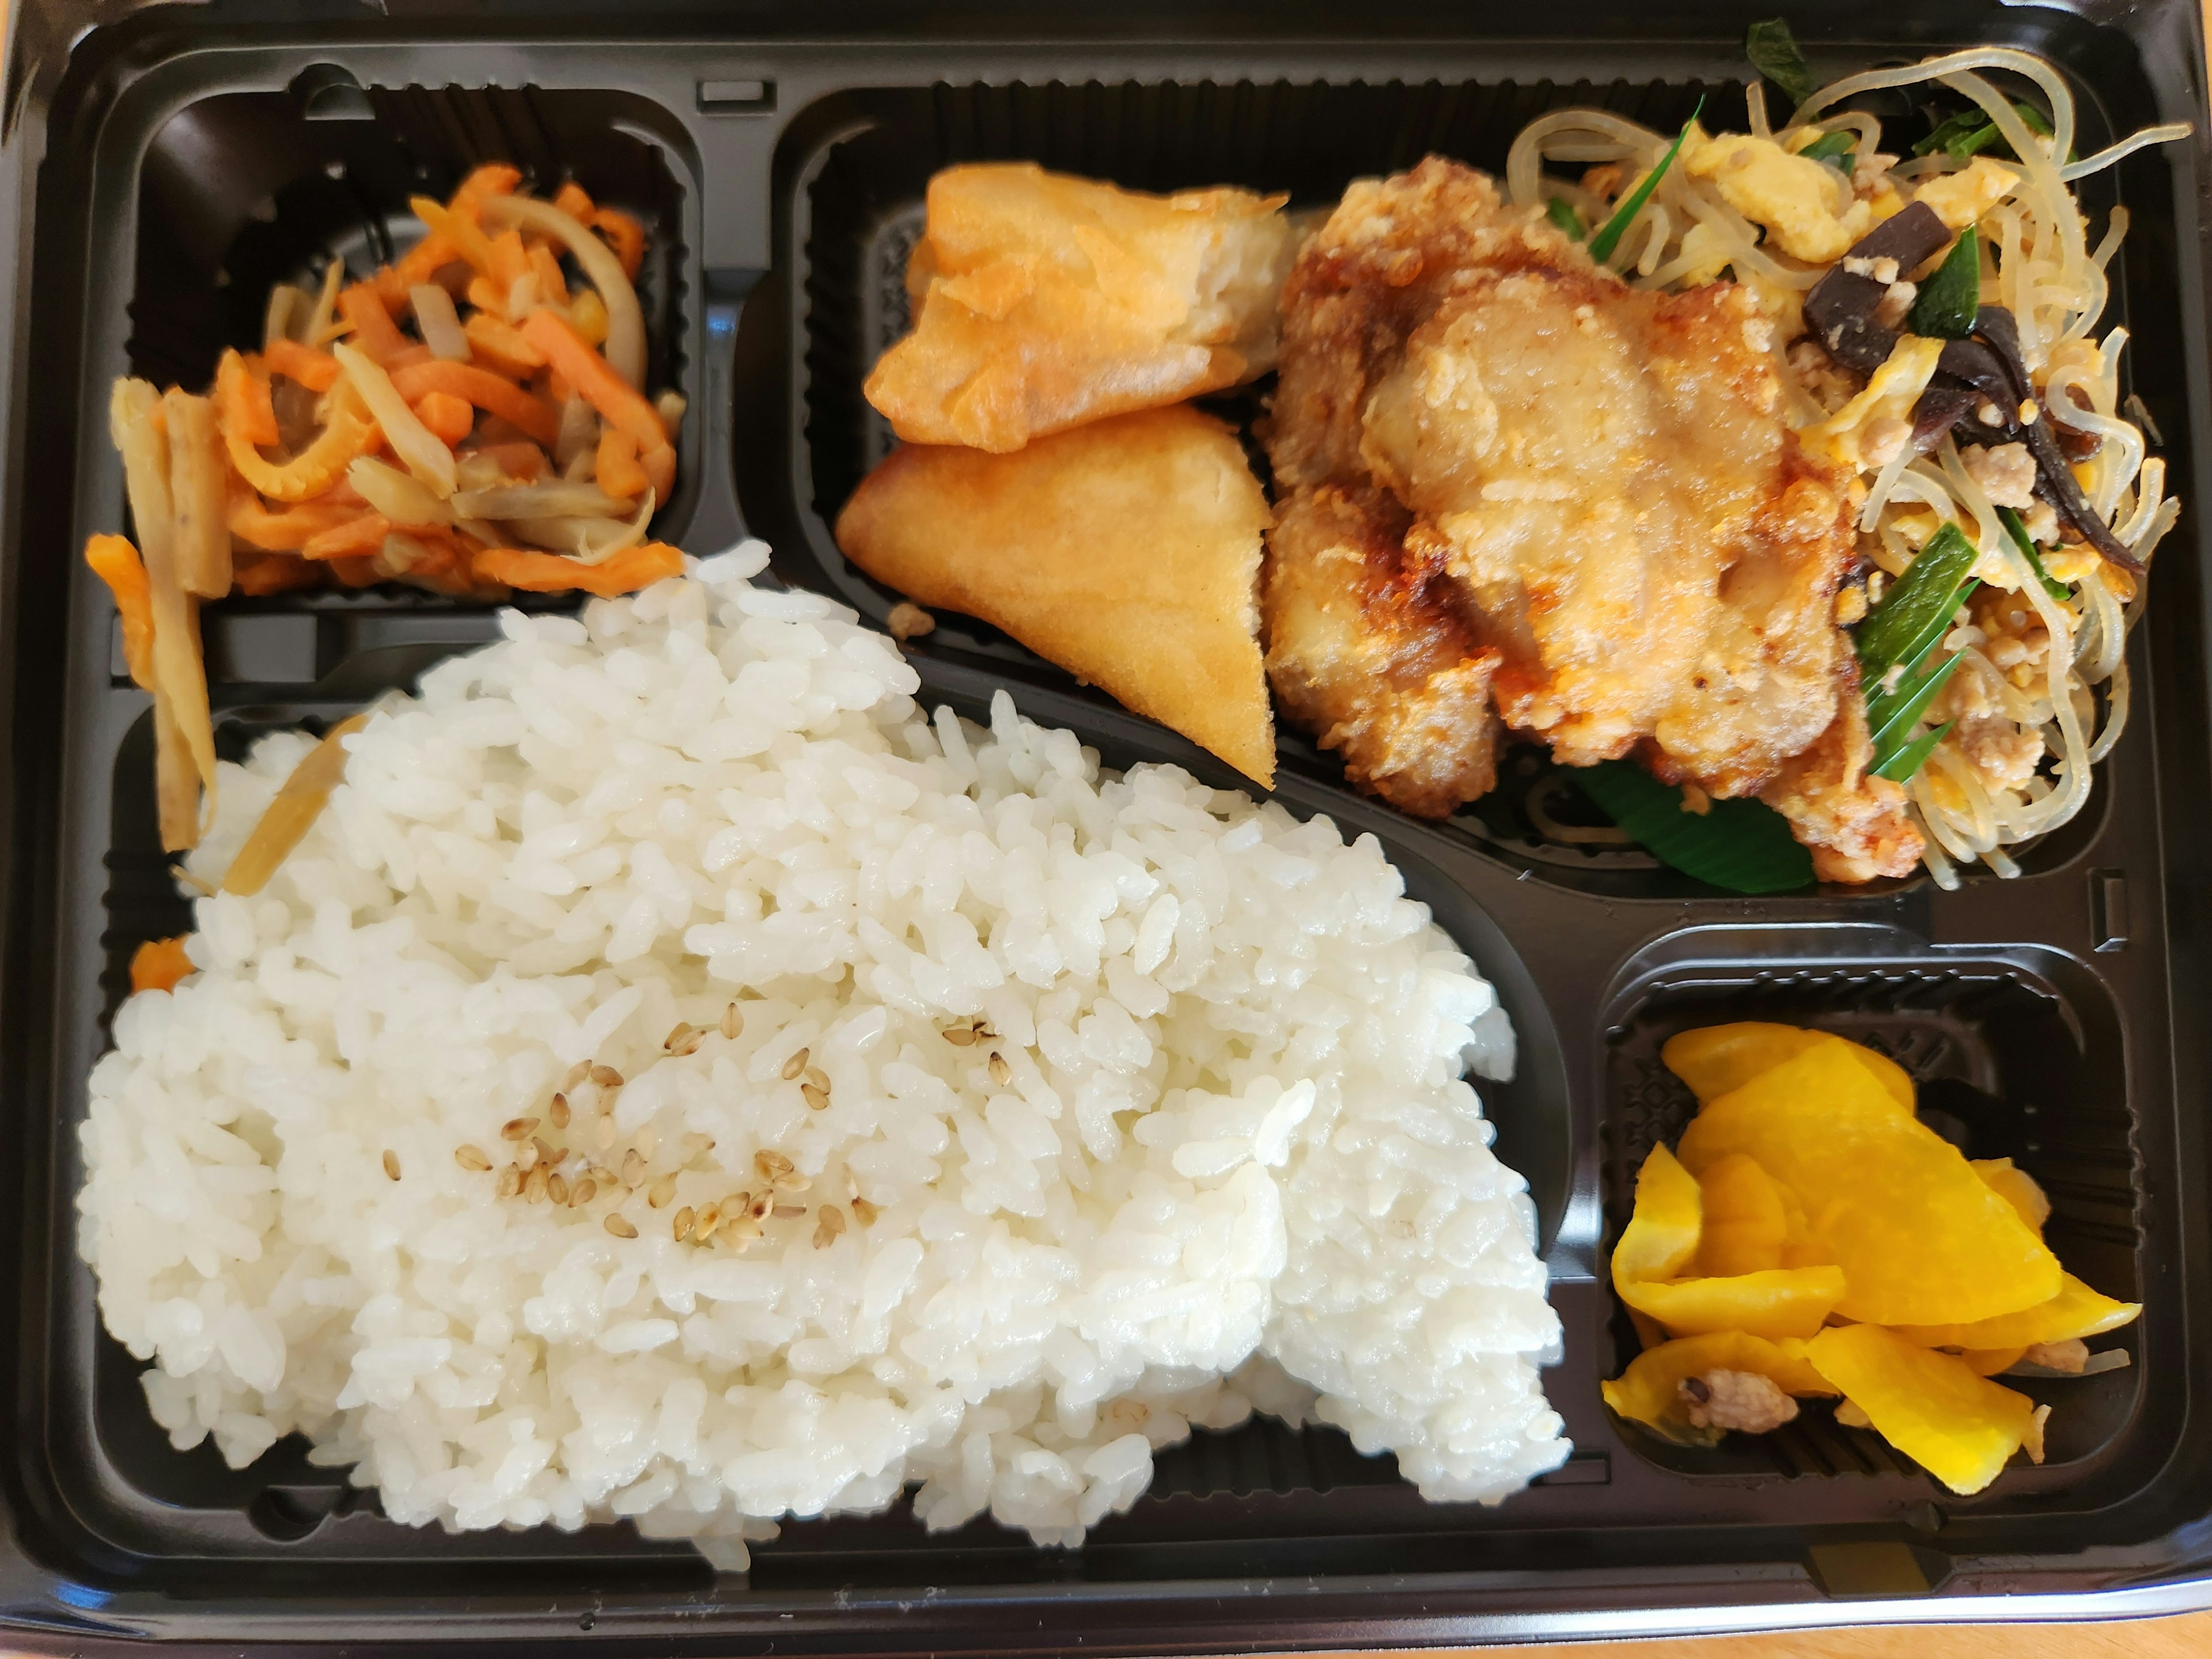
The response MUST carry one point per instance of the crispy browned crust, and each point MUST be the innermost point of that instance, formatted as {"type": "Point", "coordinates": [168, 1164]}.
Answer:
{"type": "Point", "coordinates": [1042, 301]}
{"type": "Point", "coordinates": [1589, 489]}
{"type": "Point", "coordinates": [1365, 652]}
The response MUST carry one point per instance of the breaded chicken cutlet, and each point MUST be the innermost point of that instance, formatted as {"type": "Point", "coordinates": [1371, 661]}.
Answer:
{"type": "Point", "coordinates": [1515, 492]}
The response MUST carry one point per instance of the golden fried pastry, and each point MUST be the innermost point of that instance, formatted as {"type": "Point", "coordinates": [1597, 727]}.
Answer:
{"type": "Point", "coordinates": [1043, 301]}
{"type": "Point", "coordinates": [1127, 551]}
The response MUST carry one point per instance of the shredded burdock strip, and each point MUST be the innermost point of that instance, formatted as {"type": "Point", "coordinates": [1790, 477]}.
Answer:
{"type": "Point", "coordinates": [293, 813]}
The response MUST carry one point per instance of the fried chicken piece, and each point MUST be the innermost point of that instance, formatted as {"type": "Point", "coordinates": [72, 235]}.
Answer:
{"type": "Point", "coordinates": [1607, 477]}
{"type": "Point", "coordinates": [1364, 651]}
{"type": "Point", "coordinates": [1127, 552]}
{"type": "Point", "coordinates": [1042, 301]}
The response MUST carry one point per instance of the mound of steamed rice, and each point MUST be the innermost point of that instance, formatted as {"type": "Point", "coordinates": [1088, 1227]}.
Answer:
{"type": "Point", "coordinates": [1227, 1131]}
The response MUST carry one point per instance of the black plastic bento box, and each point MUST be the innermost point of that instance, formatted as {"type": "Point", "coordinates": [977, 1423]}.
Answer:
{"type": "Point", "coordinates": [163, 169]}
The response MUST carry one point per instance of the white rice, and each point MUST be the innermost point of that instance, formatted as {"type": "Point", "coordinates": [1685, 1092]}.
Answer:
{"type": "Point", "coordinates": [1231, 1133]}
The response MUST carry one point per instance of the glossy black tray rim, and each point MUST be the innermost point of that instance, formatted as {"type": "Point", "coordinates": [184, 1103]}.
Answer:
{"type": "Point", "coordinates": [49, 1604]}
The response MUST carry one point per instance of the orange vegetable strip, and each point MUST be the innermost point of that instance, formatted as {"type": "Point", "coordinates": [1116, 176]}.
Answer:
{"type": "Point", "coordinates": [523, 461]}
{"type": "Point", "coordinates": [277, 574]}
{"type": "Point", "coordinates": [510, 260]}
{"type": "Point", "coordinates": [358, 570]}
{"type": "Point", "coordinates": [243, 401]}
{"type": "Point", "coordinates": [660, 464]}
{"type": "Point", "coordinates": [457, 225]}
{"type": "Point", "coordinates": [492, 179]}
{"type": "Point", "coordinates": [115, 561]}
{"type": "Point", "coordinates": [374, 333]}
{"type": "Point", "coordinates": [625, 346]}
{"type": "Point", "coordinates": [551, 284]}
{"type": "Point", "coordinates": [418, 265]}
{"type": "Point", "coordinates": [627, 236]}
{"type": "Point", "coordinates": [159, 964]}
{"type": "Point", "coordinates": [346, 433]}
{"type": "Point", "coordinates": [406, 356]}
{"type": "Point", "coordinates": [550, 572]}
{"type": "Point", "coordinates": [500, 345]}
{"type": "Point", "coordinates": [486, 390]}
{"type": "Point", "coordinates": [573, 200]}
{"type": "Point", "coordinates": [617, 471]}
{"type": "Point", "coordinates": [359, 536]}
{"type": "Point", "coordinates": [487, 299]}
{"type": "Point", "coordinates": [199, 480]}
{"type": "Point", "coordinates": [450, 419]}
{"type": "Point", "coordinates": [252, 522]}
{"type": "Point", "coordinates": [317, 371]}
{"type": "Point", "coordinates": [591, 374]}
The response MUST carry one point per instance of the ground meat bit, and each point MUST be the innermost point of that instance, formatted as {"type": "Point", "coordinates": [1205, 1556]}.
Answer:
{"type": "Point", "coordinates": [1824, 381]}
{"type": "Point", "coordinates": [1896, 304]}
{"type": "Point", "coordinates": [1742, 1400]}
{"type": "Point", "coordinates": [1967, 695]}
{"type": "Point", "coordinates": [2004, 755]}
{"type": "Point", "coordinates": [2034, 1442]}
{"type": "Point", "coordinates": [2006, 472]}
{"type": "Point", "coordinates": [1885, 436]}
{"type": "Point", "coordinates": [2068, 1356]}
{"type": "Point", "coordinates": [1849, 1414]}
{"type": "Point", "coordinates": [2041, 521]}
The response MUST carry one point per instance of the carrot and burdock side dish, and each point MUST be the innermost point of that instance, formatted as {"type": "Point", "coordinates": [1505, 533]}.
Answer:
{"type": "Point", "coordinates": [471, 419]}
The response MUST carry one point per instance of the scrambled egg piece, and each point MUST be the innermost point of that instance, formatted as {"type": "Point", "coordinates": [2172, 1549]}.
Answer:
{"type": "Point", "coordinates": [1889, 396]}
{"type": "Point", "coordinates": [1962, 198]}
{"type": "Point", "coordinates": [1794, 198]}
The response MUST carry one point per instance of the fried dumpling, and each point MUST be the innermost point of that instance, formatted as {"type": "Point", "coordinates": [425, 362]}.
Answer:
{"type": "Point", "coordinates": [1127, 551]}
{"type": "Point", "coordinates": [1042, 301]}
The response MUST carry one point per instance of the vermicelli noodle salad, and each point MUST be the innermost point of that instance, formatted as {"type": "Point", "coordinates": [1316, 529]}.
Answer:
{"type": "Point", "coordinates": [1935, 298]}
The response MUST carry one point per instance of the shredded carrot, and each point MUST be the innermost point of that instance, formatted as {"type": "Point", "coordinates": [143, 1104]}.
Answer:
{"type": "Point", "coordinates": [375, 334]}
{"type": "Point", "coordinates": [359, 537]}
{"type": "Point", "coordinates": [551, 286]}
{"type": "Point", "coordinates": [486, 390]}
{"type": "Point", "coordinates": [252, 522]}
{"type": "Point", "coordinates": [485, 297]}
{"type": "Point", "coordinates": [242, 401]}
{"type": "Point", "coordinates": [406, 356]}
{"type": "Point", "coordinates": [557, 388]}
{"type": "Point", "coordinates": [625, 235]}
{"type": "Point", "coordinates": [159, 964]}
{"type": "Point", "coordinates": [499, 345]}
{"type": "Point", "coordinates": [358, 570]}
{"type": "Point", "coordinates": [492, 179]}
{"type": "Point", "coordinates": [278, 572]}
{"type": "Point", "coordinates": [660, 464]}
{"type": "Point", "coordinates": [572, 199]}
{"type": "Point", "coordinates": [618, 471]}
{"type": "Point", "coordinates": [589, 373]}
{"type": "Point", "coordinates": [450, 419]}
{"type": "Point", "coordinates": [457, 225]}
{"type": "Point", "coordinates": [116, 562]}
{"type": "Point", "coordinates": [549, 573]}
{"type": "Point", "coordinates": [510, 260]}
{"type": "Point", "coordinates": [418, 265]}
{"type": "Point", "coordinates": [317, 371]}
{"type": "Point", "coordinates": [349, 433]}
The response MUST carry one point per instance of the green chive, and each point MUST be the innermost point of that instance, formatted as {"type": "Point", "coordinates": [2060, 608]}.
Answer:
{"type": "Point", "coordinates": [1833, 147]}
{"type": "Point", "coordinates": [1951, 298]}
{"type": "Point", "coordinates": [1900, 767]}
{"type": "Point", "coordinates": [1602, 244]}
{"type": "Point", "coordinates": [1916, 610]}
{"type": "Point", "coordinates": [1892, 715]}
{"type": "Point", "coordinates": [1561, 212]}
{"type": "Point", "coordinates": [2018, 531]}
